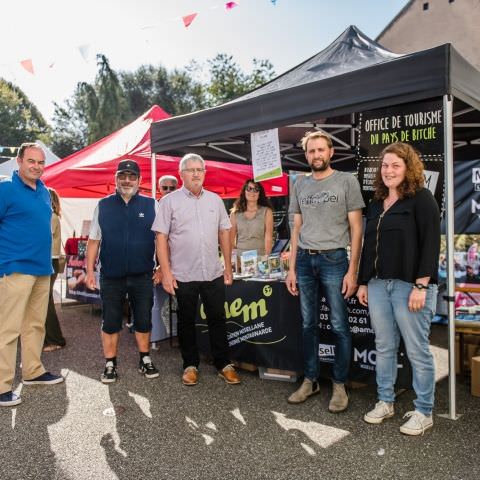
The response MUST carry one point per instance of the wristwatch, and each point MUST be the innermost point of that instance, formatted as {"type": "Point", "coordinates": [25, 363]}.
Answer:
{"type": "Point", "coordinates": [420, 286]}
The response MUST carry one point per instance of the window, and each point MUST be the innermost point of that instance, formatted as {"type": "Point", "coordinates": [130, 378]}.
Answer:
{"type": "Point", "coordinates": [425, 6]}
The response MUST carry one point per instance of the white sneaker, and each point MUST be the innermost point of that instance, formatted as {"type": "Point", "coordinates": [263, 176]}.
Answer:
{"type": "Point", "coordinates": [417, 424]}
{"type": "Point", "coordinates": [381, 411]}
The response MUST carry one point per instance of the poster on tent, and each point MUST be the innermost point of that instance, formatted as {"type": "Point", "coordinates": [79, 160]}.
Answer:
{"type": "Point", "coordinates": [266, 159]}
{"type": "Point", "coordinates": [420, 124]}
{"type": "Point", "coordinates": [466, 190]}
{"type": "Point", "coordinates": [76, 273]}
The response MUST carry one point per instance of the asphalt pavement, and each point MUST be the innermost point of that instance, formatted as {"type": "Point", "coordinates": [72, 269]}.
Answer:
{"type": "Point", "coordinates": [160, 429]}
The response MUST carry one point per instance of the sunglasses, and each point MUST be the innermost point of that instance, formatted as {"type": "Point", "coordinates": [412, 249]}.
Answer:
{"type": "Point", "coordinates": [252, 189]}
{"type": "Point", "coordinates": [130, 176]}
{"type": "Point", "coordinates": [168, 188]}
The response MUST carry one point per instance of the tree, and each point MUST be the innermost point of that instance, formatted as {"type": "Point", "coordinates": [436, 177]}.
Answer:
{"type": "Point", "coordinates": [20, 119]}
{"type": "Point", "coordinates": [176, 92]}
{"type": "Point", "coordinates": [228, 81]}
{"type": "Point", "coordinates": [93, 111]}
{"type": "Point", "coordinates": [115, 99]}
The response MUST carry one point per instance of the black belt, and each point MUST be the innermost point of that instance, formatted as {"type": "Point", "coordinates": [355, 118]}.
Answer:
{"type": "Point", "coordinates": [311, 251]}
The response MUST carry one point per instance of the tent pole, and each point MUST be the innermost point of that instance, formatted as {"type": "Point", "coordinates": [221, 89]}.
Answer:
{"type": "Point", "coordinates": [449, 234]}
{"type": "Point", "coordinates": [153, 175]}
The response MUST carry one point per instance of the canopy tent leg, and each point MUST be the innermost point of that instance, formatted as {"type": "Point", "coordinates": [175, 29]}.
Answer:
{"type": "Point", "coordinates": [154, 175]}
{"type": "Point", "coordinates": [449, 233]}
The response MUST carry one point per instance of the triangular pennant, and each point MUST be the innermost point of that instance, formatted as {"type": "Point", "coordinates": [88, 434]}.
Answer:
{"type": "Point", "coordinates": [188, 19]}
{"type": "Point", "coordinates": [84, 50]}
{"type": "Point", "coordinates": [28, 65]}
{"type": "Point", "coordinates": [274, 2]}
{"type": "Point", "coordinates": [230, 5]}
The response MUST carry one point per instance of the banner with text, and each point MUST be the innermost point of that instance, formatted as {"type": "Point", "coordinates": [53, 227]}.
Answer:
{"type": "Point", "coordinates": [264, 327]}
{"type": "Point", "coordinates": [420, 124]}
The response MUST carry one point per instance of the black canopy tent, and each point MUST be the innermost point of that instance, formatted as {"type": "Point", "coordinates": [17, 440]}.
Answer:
{"type": "Point", "coordinates": [351, 75]}
{"type": "Point", "coordinates": [329, 91]}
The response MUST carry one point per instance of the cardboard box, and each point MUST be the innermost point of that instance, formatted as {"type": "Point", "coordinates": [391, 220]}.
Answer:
{"type": "Point", "coordinates": [475, 386]}
{"type": "Point", "coordinates": [275, 374]}
{"type": "Point", "coordinates": [472, 348]}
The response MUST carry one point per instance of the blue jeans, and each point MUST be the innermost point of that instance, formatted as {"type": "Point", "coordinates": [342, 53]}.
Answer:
{"type": "Point", "coordinates": [390, 317]}
{"type": "Point", "coordinates": [316, 274]}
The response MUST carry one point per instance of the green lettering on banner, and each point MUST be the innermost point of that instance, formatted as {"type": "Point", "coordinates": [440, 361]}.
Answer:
{"type": "Point", "coordinates": [236, 309]}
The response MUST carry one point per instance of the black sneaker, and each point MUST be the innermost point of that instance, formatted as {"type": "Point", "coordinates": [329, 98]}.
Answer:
{"type": "Point", "coordinates": [46, 378]}
{"type": "Point", "coordinates": [147, 367]}
{"type": "Point", "coordinates": [109, 375]}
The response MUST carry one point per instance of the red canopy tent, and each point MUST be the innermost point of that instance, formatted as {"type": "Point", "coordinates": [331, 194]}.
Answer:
{"type": "Point", "coordinates": [89, 173]}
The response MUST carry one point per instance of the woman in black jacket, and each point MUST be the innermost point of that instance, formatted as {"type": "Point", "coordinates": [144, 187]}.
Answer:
{"type": "Point", "coordinates": [398, 277]}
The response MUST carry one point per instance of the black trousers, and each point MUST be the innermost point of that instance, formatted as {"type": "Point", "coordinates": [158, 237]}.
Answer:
{"type": "Point", "coordinates": [53, 331]}
{"type": "Point", "coordinates": [212, 294]}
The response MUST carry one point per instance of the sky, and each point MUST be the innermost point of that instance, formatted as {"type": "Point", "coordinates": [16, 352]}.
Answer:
{"type": "Point", "coordinates": [62, 37]}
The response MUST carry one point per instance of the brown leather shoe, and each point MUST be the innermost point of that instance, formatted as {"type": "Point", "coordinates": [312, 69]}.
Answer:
{"type": "Point", "coordinates": [229, 374]}
{"type": "Point", "coordinates": [190, 376]}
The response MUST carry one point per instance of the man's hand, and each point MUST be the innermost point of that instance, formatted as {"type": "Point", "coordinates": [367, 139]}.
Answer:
{"type": "Point", "coordinates": [90, 281]}
{"type": "Point", "coordinates": [362, 295]}
{"type": "Point", "coordinates": [291, 282]}
{"type": "Point", "coordinates": [349, 285]}
{"type": "Point", "coordinates": [228, 276]}
{"type": "Point", "coordinates": [169, 283]}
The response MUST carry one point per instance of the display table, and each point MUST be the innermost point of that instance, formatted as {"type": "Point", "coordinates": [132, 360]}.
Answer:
{"type": "Point", "coordinates": [265, 329]}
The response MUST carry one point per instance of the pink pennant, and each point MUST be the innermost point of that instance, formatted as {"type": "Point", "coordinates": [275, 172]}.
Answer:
{"type": "Point", "coordinates": [188, 19]}
{"type": "Point", "coordinates": [28, 65]}
{"type": "Point", "coordinates": [230, 5]}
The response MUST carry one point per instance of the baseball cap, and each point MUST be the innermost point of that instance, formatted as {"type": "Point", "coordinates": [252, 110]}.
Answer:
{"type": "Point", "coordinates": [128, 166]}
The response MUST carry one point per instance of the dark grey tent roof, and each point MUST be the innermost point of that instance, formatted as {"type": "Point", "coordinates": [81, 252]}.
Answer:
{"type": "Point", "coordinates": [353, 74]}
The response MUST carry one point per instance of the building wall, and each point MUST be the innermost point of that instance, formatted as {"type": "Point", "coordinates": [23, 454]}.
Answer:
{"type": "Point", "coordinates": [445, 21]}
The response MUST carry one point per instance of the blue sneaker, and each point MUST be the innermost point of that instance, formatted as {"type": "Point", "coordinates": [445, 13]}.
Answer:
{"type": "Point", "coordinates": [9, 399]}
{"type": "Point", "coordinates": [45, 379]}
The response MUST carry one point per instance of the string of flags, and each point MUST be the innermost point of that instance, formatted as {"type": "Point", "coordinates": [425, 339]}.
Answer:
{"type": "Point", "coordinates": [12, 150]}
{"type": "Point", "coordinates": [187, 20]}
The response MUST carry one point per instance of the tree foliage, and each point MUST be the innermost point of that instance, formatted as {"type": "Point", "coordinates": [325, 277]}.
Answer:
{"type": "Point", "coordinates": [228, 81]}
{"type": "Point", "coordinates": [20, 120]}
{"type": "Point", "coordinates": [114, 99]}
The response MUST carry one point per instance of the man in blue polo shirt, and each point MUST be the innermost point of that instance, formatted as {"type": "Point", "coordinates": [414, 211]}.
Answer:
{"type": "Point", "coordinates": [121, 230]}
{"type": "Point", "coordinates": [25, 269]}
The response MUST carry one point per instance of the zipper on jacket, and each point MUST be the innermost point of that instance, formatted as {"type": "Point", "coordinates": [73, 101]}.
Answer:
{"type": "Point", "coordinates": [380, 218]}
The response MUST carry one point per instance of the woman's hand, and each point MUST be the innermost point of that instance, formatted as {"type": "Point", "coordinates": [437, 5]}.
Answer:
{"type": "Point", "coordinates": [362, 295]}
{"type": "Point", "coordinates": [416, 300]}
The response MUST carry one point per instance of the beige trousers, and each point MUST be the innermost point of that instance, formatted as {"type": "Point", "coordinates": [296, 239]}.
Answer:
{"type": "Point", "coordinates": [23, 309]}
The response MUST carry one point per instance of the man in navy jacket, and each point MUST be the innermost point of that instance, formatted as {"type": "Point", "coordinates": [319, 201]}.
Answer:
{"type": "Point", "coordinates": [121, 230]}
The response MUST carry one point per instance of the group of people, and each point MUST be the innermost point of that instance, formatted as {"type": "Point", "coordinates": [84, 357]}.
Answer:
{"type": "Point", "coordinates": [178, 238]}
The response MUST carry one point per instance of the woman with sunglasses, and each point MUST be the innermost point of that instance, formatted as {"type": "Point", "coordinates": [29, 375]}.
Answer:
{"type": "Point", "coordinates": [252, 220]}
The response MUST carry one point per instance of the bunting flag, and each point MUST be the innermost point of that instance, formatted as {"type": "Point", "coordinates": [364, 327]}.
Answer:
{"type": "Point", "coordinates": [28, 65]}
{"type": "Point", "coordinates": [4, 149]}
{"type": "Point", "coordinates": [274, 2]}
{"type": "Point", "coordinates": [84, 51]}
{"type": "Point", "coordinates": [188, 19]}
